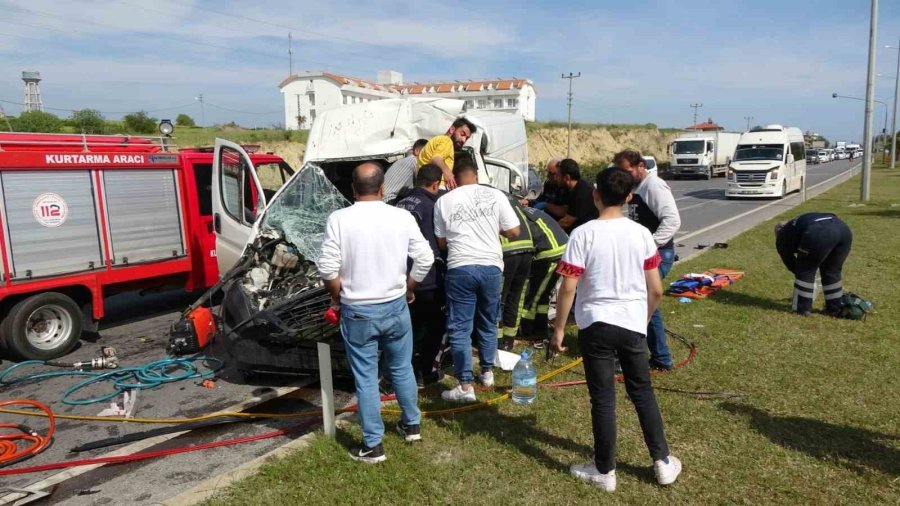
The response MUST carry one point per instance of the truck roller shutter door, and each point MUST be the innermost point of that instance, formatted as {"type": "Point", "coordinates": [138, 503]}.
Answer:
{"type": "Point", "coordinates": [52, 222]}
{"type": "Point", "coordinates": [144, 215]}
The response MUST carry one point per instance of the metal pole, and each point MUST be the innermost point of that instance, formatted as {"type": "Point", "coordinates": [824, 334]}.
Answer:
{"type": "Point", "coordinates": [894, 121]}
{"type": "Point", "coordinates": [327, 384]}
{"type": "Point", "coordinates": [696, 107]}
{"type": "Point", "coordinates": [870, 98]}
{"type": "Point", "coordinates": [570, 77]}
{"type": "Point", "coordinates": [202, 110]}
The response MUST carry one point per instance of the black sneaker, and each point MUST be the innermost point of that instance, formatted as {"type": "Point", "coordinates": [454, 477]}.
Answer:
{"type": "Point", "coordinates": [507, 343]}
{"type": "Point", "coordinates": [657, 366]}
{"type": "Point", "coordinates": [368, 455]}
{"type": "Point", "coordinates": [410, 433]}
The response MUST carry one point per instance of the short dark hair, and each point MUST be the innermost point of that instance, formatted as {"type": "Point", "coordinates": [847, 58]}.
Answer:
{"type": "Point", "coordinates": [367, 184]}
{"type": "Point", "coordinates": [569, 167]}
{"type": "Point", "coordinates": [463, 122]}
{"type": "Point", "coordinates": [614, 185]}
{"type": "Point", "coordinates": [419, 144]}
{"type": "Point", "coordinates": [633, 157]}
{"type": "Point", "coordinates": [428, 175]}
{"type": "Point", "coordinates": [463, 166]}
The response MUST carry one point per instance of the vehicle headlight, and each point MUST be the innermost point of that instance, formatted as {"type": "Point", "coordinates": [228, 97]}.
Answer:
{"type": "Point", "coordinates": [730, 174]}
{"type": "Point", "coordinates": [773, 175]}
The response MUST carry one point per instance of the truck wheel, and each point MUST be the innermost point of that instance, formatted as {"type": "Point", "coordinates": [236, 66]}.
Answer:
{"type": "Point", "coordinates": [42, 327]}
{"type": "Point", "coordinates": [709, 173]}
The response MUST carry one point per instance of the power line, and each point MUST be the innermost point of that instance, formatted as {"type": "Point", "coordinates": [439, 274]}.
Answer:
{"type": "Point", "coordinates": [241, 112]}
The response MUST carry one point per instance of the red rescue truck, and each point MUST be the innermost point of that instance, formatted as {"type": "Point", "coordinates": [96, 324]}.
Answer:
{"type": "Point", "coordinates": [85, 216]}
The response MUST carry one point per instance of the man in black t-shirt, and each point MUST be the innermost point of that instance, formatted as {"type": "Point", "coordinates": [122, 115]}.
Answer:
{"type": "Point", "coordinates": [580, 207]}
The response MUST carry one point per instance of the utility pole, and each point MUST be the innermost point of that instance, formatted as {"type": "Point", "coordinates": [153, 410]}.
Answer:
{"type": "Point", "coordinates": [696, 106]}
{"type": "Point", "coordinates": [896, 98]}
{"type": "Point", "coordinates": [290, 56]}
{"type": "Point", "coordinates": [870, 99]}
{"type": "Point", "coordinates": [570, 77]}
{"type": "Point", "coordinates": [4, 116]}
{"type": "Point", "coordinates": [749, 120]}
{"type": "Point", "coordinates": [199, 98]}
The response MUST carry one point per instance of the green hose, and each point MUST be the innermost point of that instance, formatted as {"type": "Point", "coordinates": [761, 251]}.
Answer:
{"type": "Point", "coordinates": [150, 375]}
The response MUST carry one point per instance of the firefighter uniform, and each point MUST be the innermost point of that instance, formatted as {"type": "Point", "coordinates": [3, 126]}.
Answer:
{"type": "Point", "coordinates": [517, 255]}
{"type": "Point", "coordinates": [815, 242]}
{"type": "Point", "coordinates": [549, 244]}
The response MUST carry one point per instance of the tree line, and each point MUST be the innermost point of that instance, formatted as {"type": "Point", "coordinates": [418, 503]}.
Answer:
{"type": "Point", "coordinates": [88, 121]}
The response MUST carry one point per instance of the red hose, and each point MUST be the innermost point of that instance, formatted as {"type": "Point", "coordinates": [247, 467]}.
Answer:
{"type": "Point", "coordinates": [156, 454]}
{"type": "Point", "coordinates": [10, 452]}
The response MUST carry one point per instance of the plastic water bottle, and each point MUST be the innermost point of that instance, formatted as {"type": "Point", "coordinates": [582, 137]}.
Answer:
{"type": "Point", "coordinates": [524, 380]}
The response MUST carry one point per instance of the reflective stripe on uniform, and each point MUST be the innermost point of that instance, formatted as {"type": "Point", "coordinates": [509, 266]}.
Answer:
{"type": "Point", "coordinates": [804, 284]}
{"type": "Point", "coordinates": [835, 295]}
{"type": "Point", "coordinates": [534, 309]}
{"type": "Point", "coordinates": [555, 253]}
{"type": "Point", "coordinates": [833, 286]}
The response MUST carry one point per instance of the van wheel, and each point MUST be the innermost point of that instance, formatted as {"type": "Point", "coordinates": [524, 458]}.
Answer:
{"type": "Point", "coordinates": [42, 327]}
{"type": "Point", "coordinates": [783, 189]}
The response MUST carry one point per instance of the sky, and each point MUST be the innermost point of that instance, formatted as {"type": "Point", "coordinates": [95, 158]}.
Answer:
{"type": "Point", "coordinates": [641, 61]}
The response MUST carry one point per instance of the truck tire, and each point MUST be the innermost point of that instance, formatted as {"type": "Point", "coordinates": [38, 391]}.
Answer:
{"type": "Point", "coordinates": [42, 327]}
{"type": "Point", "coordinates": [709, 173]}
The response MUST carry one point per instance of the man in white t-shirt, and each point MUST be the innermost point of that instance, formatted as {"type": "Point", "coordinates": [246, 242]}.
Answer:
{"type": "Point", "coordinates": [612, 263]}
{"type": "Point", "coordinates": [468, 222]}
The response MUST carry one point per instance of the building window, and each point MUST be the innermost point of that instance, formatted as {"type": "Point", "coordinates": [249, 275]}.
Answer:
{"type": "Point", "coordinates": [482, 103]}
{"type": "Point", "coordinates": [470, 104]}
{"type": "Point", "coordinates": [346, 100]}
{"type": "Point", "coordinates": [498, 103]}
{"type": "Point", "coordinates": [512, 103]}
{"type": "Point", "coordinates": [312, 116]}
{"type": "Point", "coordinates": [312, 99]}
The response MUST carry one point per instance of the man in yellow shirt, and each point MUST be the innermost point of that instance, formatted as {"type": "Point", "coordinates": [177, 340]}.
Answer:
{"type": "Point", "coordinates": [440, 149]}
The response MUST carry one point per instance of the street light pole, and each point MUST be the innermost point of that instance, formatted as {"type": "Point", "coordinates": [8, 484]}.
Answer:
{"type": "Point", "coordinates": [870, 98]}
{"type": "Point", "coordinates": [571, 77]}
{"type": "Point", "coordinates": [894, 121]}
{"type": "Point", "coordinates": [749, 119]}
{"type": "Point", "coordinates": [884, 104]}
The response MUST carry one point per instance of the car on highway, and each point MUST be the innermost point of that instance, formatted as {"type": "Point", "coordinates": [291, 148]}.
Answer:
{"type": "Point", "coordinates": [812, 156]}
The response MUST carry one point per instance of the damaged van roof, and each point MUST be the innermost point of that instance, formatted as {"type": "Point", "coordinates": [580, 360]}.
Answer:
{"type": "Point", "coordinates": [382, 127]}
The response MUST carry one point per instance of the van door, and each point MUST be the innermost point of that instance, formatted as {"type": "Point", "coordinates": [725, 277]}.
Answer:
{"type": "Point", "coordinates": [238, 200]}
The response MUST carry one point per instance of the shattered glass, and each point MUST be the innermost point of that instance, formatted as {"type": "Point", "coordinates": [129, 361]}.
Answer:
{"type": "Point", "coordinates": [301, 211]}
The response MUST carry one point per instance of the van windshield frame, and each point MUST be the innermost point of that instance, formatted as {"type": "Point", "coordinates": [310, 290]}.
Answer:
{"type": "Point", "coordinates": [746, 152]}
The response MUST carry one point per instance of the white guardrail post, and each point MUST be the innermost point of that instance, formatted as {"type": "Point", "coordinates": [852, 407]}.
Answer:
{"type": "Point", "coordinates": [327, 383]}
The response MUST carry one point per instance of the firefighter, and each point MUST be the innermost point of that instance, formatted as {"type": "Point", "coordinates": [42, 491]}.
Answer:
{"type": "Point", "coordinates": [517, 255]}
{"type": "Point", "coordinates": [549, 244]}
{"type": "Point", "coordinates": [815, 242]}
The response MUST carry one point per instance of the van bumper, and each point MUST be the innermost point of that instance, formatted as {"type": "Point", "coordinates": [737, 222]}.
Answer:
{"type": "Point", "coordinates": [737, 190]}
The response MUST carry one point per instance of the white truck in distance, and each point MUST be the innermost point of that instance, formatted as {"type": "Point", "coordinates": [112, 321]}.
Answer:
{"type": "Point", "coordinates": [704, 154]}
{"type": "Point", "coordinates": [769, 161]}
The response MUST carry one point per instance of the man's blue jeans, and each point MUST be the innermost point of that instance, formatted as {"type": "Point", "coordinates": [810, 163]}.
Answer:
{"type": "Point", "coordinates": [365, 328]}
{"type": "Point", "coordinates": [656, 331]}
{"type": "Point", "coordinates": [473, 302]}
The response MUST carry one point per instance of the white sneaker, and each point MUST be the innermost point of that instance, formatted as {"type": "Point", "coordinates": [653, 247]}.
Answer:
{"type": "Point", "coordinates": [666, 474]}
{"type": "Point", "coordinates": [487, 378]}
{"type": "Point", "coordinates": [459, 395]}
{"type": "Point", "coordinates": [588, 473]}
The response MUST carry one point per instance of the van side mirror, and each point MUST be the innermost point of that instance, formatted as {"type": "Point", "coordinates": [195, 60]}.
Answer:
{"type": "Point", "coordinates": [790, 158]}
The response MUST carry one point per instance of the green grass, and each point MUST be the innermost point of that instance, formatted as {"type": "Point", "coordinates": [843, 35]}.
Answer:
{"type": "Point", "coordinates": [206, 136]}
{"type": "Point", "coordinates": [817, 421]}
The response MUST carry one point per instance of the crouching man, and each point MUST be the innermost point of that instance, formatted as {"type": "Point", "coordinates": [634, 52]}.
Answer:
{"type": "Point", "coordinates": [815, 242]}
{"type": "Point", "coordinates": [363, 263]}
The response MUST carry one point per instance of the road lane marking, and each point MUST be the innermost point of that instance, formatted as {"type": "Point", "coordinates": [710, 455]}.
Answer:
{"type": "Point", "coordinates": [760, 208]}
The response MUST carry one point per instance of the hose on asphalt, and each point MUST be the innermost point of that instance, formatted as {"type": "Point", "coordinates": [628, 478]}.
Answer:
{"type": "Point", "coordinates": [10, 450]}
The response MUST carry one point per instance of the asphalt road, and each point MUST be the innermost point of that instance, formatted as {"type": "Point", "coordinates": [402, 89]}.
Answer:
{"type": "Point", "coordinates": [702, 205]}
{"type": "Point", "coordinates": [138, 325]}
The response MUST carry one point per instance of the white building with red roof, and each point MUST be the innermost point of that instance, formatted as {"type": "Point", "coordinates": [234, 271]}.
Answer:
{"type": "Point", "coordinates": [310, 93]}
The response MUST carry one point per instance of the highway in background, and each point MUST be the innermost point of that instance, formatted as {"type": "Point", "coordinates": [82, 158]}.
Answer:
{"type": "Point", "coordinates": [705, 212]}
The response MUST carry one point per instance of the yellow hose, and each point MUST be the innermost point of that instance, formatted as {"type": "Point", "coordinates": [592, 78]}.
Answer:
{"type": "Point", "coordinates": [300, 414]}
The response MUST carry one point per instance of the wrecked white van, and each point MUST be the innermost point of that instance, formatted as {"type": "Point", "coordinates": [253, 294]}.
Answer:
{"type": "Point", "coordinates": [273, 306]}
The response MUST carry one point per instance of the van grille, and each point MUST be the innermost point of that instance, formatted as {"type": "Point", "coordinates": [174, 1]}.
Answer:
{"type": "Point", "coordinates": [752, 177]}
